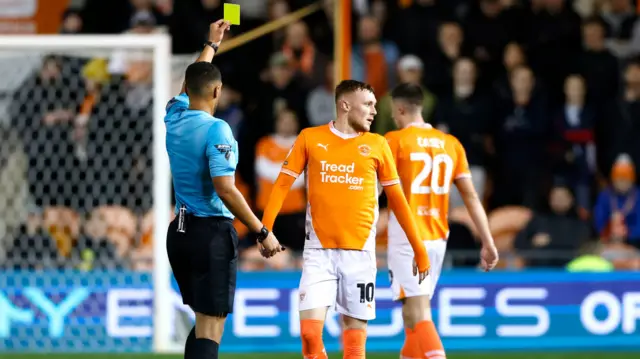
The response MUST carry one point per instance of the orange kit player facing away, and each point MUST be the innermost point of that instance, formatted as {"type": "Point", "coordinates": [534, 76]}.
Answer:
{"type": "Point", "coordinates": [428, 161]}
{"type": "Point", "coordinates": [343, 164]}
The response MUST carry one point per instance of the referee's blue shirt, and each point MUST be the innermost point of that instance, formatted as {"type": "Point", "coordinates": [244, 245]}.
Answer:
{"type": "Point", "coordinates": [200, 147]}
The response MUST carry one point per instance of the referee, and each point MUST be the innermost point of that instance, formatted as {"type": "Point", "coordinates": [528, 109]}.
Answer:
{"type": "Point", "coordinates": [201, 241]}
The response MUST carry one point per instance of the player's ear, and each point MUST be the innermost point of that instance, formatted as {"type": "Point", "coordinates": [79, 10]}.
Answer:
{"type": "Point", "coordinates": [217, 91]}
{"type": "Point", "coordinates": [344, 105]}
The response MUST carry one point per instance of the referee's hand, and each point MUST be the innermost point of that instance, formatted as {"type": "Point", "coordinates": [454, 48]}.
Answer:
{"type": "Point", "coordinates": [270, 246]}
{"type": "Point", "coordinates": [217, 30]}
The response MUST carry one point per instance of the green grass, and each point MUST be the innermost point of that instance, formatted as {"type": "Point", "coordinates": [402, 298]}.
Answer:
{"type": "Point", "coordinates": [332, 356]}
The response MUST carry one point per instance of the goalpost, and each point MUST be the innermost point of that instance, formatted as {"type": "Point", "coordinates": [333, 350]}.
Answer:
{"type": "Point", "coordinates": [160, 46]}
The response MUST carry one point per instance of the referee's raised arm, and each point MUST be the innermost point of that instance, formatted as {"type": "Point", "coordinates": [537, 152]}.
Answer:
{"type": "Point", "coordinates": [201, 241]}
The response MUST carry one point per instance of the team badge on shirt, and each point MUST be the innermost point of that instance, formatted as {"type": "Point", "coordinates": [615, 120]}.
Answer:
{"type": "Point", "coordinates": [364, 150]}
{"type": "Point", "coordinates": [223, 148]}
{"type": "Point", "coordinates": [226, 149]}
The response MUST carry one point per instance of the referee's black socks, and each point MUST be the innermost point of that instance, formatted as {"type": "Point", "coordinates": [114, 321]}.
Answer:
{"type": "Point", "coordinates": [200, 348]}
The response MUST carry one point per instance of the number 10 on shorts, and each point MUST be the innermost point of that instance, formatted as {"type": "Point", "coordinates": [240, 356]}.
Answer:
{"type": "Point", "coordinates": [366, 292]}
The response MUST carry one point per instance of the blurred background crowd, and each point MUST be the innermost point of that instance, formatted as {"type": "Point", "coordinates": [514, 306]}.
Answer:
{"type": "Point", "coordinates": [543, 94]}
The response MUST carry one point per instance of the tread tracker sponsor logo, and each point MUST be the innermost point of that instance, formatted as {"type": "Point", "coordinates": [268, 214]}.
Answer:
{"type": "Point", "coordinates": [342, 174]}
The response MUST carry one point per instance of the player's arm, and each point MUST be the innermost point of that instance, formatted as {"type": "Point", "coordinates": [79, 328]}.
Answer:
{"type": "Point", "coordinates": [216, 33]}
{"type": "Point", "coordinates": [400, 207]}
{"type": "Point", "coordinates": [222, 168]}
{"type": "Point", "coordinates": [292, 169]}
{"type": "Point", "coordinates": [388, 175]}
{"type": "Point", "coordinates": [474, 207]}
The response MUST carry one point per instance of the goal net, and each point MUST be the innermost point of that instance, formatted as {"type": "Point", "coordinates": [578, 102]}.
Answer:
{"type": "Point", "coordinates": [85, 195]}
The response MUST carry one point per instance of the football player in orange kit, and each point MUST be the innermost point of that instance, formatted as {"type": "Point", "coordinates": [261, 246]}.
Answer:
{"type": "Point", "coordinates": [428, 162]}
{"type": "Point", "coordinates": [343, 164]}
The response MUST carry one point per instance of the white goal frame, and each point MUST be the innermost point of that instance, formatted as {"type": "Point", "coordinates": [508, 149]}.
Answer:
{"type": "Point", "coordinates": [160, 44]}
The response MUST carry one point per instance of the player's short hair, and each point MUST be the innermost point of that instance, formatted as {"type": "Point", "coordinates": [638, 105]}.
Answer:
{"type": "Point", "coordinates": [349, 86]}
{"type": "Point", "coordinates": [200, 76]}
{"type": "Point", "coordinates": [410, 93]}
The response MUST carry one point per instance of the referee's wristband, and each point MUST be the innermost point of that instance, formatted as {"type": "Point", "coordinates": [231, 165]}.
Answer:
{"type": "Point", "coordinates": [262, 235]}
{"type": "Point", "coordinates": [213, 45]}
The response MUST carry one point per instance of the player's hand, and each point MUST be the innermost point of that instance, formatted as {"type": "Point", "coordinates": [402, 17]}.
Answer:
{"type": "Point", "coordinates": [270, 246]}
{"type": "Point", "coordinates": [488, 257]}
{"type": "Point", "coordinates": [217, 29]}
{"type": "Point", "coordinates": [422, 275]}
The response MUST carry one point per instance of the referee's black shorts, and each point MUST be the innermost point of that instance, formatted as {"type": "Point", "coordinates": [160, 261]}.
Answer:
{"type": "Point", "coordinates": [204, 260]}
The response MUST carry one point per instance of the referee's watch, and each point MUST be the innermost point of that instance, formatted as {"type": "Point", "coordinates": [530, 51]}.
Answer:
{"type": "Point", "coordinates": [262, 235]}
{"type": "Point", "coordinates": [212, 44]}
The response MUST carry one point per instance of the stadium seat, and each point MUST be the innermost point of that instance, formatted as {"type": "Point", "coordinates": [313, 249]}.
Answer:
{"type": "Point", "coordinates": [63, 224]}
{"type": "Point", "coordinates": [623, 256]}
{"type": "Point", "coordinates": [118, 224]}
{"type": "Point", "coordinates": [505, 223]}
{"type": "Point", "coordinates": [461, 215]}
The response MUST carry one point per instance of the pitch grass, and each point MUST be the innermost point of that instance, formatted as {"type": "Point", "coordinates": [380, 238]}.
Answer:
{"type": "Point", "coordinates": [334, 355]}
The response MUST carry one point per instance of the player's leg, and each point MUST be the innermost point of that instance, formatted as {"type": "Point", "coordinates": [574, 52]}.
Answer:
{"type": "Point", "coordinates": [421, 337]}
{"type": "Point", "coordinates": [317, 292]}
{"type": "Point", "coordinates": [356, 299]}
{"type": "Point", "coordinates": [214, 264]}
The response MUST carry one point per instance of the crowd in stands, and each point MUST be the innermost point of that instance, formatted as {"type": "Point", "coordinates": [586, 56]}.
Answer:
{"type": "Point", "coordinates": [544, 95]}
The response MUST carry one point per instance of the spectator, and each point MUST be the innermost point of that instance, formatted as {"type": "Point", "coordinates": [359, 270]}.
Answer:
{"type": "Point", "coordinates": [373, 60]}
{"type": "Point", "coordinates": [321, 27]}
{"type": "Point", "coordinates": [415, 27]}
{"type": "Point", "coordinates": [410, 70]}
{"type": "Point", "coordinates": [148, 10]}
{"type": "Point", "coordinates": [617, 214]}
{"type": "Point", "coordinates": [440, 65]}
{"type": "Point", "coordinates": [620, 19]}
{"type": "Point", "coordinates": [302, 53]}
{"type": "Point", "coordinates": [41, 111]}
{"type": "Point", "coordinates": [622, 132]}
{"type": "Point", "coordinates": [275, 10]}
{"type": "Point", "coordinates": [106, 239]}
{"type": "Point", "coordinates": [551, 240]}
{"type": "Point", "coordinates": [111, 144]}
{"type": "Point", "coordinates": [229, 110]}
{"type": "Point", "coordinates": [555, 43]}
{"type": "Point", "coordinates": [271, 151]}
{"type": "Point", "coordinates": [487, 34]}
{"type": "Point", "coordinates": [597, 65]}
{"type": "Point", "coordinates": [321, 104]}
{"type": "Point", "coordinates": [135, 65]}
{"type": "Point", "coordinates": [513, 57]}
{"type": "Point", "coordinates": [575, 148]}
{"type": "Point", "coordinates": [521, 142]}
{"type": "Point", "coordinates": [282, 90]}
{"type": "Point", "coordinates": [71, 22]}
{"type": "Point", "coordinates": [115, 16]}
{"type": "Point", "coordinates": [467, 114]}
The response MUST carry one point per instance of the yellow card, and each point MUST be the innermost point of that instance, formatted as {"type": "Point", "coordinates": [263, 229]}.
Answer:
{"type": "Point", "coordinates": [232, 13]}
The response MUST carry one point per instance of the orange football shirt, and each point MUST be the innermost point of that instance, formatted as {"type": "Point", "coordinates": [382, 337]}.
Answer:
{"type": "Point", "coordinates": [342, 174]}
{"type": "Point", "coordinates": [428, 162]}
